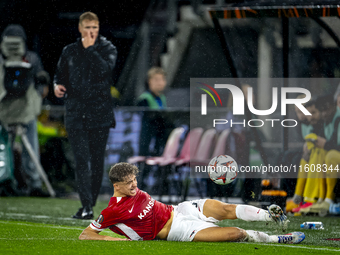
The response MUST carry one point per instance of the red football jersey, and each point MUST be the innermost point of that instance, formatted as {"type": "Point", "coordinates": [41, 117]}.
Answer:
{"type": "Point", "coordinates": [138, 217]}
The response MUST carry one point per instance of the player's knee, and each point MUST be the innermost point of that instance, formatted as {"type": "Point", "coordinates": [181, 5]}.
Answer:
{"type": "Point", "coordinates": [238, 235]}
{"type": "Point", "coordinates": [230, 210]}
{"type": "Point", "coordinates": [228, 207]}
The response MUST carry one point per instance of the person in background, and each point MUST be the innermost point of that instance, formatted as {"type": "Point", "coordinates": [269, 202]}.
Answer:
{"type": "Point", "coordinates": [309, 124]}
{"type": "Point", "coordinates": [23, 84]}
{"type": "Point", "coordinates": [84, 76]}
{"type": "Point", "coordinates": [154, 97]}
{"type": "Point", "coordinates": [154, 123]}
{"type": "Point", "coordinates": [330, 143]}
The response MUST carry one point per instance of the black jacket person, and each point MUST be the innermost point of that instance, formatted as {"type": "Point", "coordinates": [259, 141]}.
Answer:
{"type": "Point", "coordinates": [84, 76]}
{"type": "Point", "coordinates": [87, 76]}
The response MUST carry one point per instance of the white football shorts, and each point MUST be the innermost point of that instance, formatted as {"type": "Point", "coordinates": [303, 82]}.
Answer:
{"type": "Point", "coordinates": [188, 220]}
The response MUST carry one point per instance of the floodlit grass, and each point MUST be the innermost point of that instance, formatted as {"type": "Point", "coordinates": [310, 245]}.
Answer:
{"type": "Point", "coordinates": [44, 226]}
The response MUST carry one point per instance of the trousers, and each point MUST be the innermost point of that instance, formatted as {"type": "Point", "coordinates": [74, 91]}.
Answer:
{"type": "Point", "coordinates": [88, 146]}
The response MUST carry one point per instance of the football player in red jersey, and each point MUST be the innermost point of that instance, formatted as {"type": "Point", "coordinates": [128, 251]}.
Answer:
{"type": "Point", "coordinates": [134, 214]}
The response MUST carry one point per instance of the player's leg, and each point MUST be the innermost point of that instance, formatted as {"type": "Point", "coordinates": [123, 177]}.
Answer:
{"type": "Point", "coordinates": [194, 221]}
{"type": "Point", "coordinates": [232, 234]}
{"type": "Point", "coordinates": [261, 237]}
{"type": "Point", "coordinates": [221, 211]}
{"type": "Point", "coordinates": [220, 234]}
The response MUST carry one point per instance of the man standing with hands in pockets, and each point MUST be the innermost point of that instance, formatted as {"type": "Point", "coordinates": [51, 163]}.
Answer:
{"type": "Point", "coordinates": [84, 77]}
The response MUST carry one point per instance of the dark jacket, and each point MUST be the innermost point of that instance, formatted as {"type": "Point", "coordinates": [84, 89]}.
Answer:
{"type": "Point", "coordinates": [87, 75]}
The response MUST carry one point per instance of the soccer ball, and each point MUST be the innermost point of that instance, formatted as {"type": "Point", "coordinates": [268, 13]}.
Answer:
{"type": "Point", "coordinates": [222, 169]}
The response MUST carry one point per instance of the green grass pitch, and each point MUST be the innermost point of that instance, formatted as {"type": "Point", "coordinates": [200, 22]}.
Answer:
{"type": "Point", "coordinates": [44, 226]}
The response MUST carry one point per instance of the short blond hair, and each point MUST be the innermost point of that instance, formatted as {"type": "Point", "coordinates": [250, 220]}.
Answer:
{"type": "Point", "coordinates": [88, 16]}
{"type": "Point", "coordinates": [155, 70]}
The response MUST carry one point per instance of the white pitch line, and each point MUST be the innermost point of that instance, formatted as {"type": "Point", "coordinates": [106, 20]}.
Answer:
{"type": "Point", "coordinates": [14, 214]}
{"type": "Point", "coordinates": [41, 216]}
{"type": "Point", "coordinates": [296, 247]}
{"type": "Point", "coordinates": [38, 216]}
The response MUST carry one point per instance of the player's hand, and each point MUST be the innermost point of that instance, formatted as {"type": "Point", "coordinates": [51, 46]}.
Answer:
{"type": "Point", "coordinates": [59, 91]}
{"type": "Point", "coordinates": [320, 142]}
{"type": "Point", "coordinates": [88, 40]}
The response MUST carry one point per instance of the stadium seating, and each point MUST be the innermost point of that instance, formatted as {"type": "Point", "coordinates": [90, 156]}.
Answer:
{"type": "Point", "coordinates": [189, 146]}
{"type": "Point", "coordinates": [167, 168]}
{"type": "Point", "coordinates": [204, 147]}
{"type": "Point", "coordinates": [170, 150]}
{"type": "Point", "coordinates": [191, 141]}
{"type": "Point", "coordinates": [219, 149]}
{"type": "Point", "coordinates": [202, 153]}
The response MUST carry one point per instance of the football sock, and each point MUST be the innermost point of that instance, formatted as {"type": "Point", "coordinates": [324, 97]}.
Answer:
{"type": "Point", "coordinates": [260, 237]}
{"type": "Point", "coordinates": [251, 213]}
{"type": "Point", "coordinates": [257, 237]}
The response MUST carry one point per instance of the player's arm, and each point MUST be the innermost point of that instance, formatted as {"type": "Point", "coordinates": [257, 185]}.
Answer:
{"type": "Point", "coordinates": [61, 74]}
{"type": "Point", "coordinates": [91, 234]}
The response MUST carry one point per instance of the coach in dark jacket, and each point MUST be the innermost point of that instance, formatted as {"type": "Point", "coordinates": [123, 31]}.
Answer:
{"type": "Point", "coordinates": [84, 76]}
